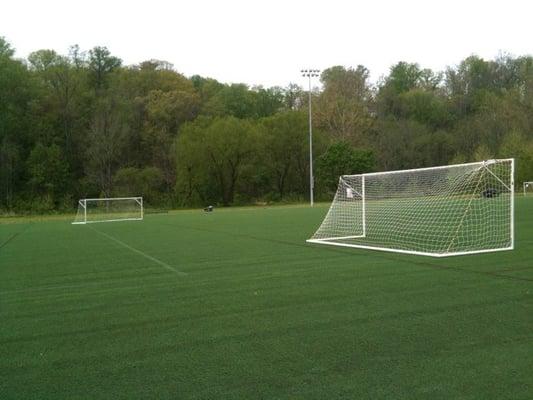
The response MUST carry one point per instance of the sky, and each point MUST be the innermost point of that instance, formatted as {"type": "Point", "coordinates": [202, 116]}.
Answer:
{"type": "Point", "coordinates": [268, 42]}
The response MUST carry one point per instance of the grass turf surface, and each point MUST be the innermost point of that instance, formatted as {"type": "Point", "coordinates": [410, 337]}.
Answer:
{"type": "Point", "coordinates": [234, 304]}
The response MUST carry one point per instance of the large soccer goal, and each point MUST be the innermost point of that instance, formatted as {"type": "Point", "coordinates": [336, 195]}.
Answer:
{"type": "Point", "coordinates": [110, 209]}
{"type": "Point", "coordinates": [439, 211]}
{"type": "Point", "coordinates": [528, 188]}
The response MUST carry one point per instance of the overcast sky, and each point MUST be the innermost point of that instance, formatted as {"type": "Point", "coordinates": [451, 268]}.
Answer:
{"type": "Point", "coordinates": [267, 42]}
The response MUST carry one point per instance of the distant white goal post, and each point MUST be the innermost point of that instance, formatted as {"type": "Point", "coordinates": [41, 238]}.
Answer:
{"type": "Point", "coordinates": [528, 188]}
{"type": "Point", "coordinates": [438, 211]}
{"type": "Point", "coordinates": [109, 210]}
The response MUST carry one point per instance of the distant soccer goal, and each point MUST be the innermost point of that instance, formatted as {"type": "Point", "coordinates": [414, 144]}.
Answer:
{"type": "Point", "coordinates": [109, 210]}
{"type": "Point", "coordinates": [439, 211]}
{"type": "Point", "coordinates": [528, 188]}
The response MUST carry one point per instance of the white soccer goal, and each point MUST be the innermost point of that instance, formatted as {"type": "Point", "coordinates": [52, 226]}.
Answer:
{"type": "Point", "coordinates": [110, 209]}
{"type": "Point", "coordinates": [439, 211]}
{"type": "Point", "coordinates": [528, 188]}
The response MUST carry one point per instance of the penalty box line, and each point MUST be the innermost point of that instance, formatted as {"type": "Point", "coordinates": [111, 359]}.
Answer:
{"type": "Point", "coordinates": [141, 253]}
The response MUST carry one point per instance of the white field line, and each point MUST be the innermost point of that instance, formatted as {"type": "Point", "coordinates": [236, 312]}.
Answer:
{"type": "Point", "coordinates": [137, 251]}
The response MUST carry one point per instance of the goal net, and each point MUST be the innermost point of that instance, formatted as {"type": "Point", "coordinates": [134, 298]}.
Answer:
{"type": "Point", "coordinates": [439, 211]}
{"type": "Point", "coordinates": [528, 188]}
{"type": "Point", "coordinates": [108, 210]}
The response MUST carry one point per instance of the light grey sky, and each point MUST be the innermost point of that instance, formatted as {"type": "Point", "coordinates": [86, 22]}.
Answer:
{"type": "Point", "coordinates": [267, 42]}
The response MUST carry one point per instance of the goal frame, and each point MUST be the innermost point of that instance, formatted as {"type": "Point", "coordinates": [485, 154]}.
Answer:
{"type": "Point", "coordinates": [329, 241]}
{"type": "Point", "coordinates": [83, 204]}
{"type": "Point", "coordinates": [526, 185]}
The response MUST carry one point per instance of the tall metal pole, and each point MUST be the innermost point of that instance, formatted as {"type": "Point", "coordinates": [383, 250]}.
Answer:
{"type": "Point", "coordinates": [310, 73]}
{"type": "Point", "coordinates": [311, 178]}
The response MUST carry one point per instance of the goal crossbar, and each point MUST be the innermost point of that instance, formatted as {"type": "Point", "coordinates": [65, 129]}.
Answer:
{"type": "Point", "coordinates": [398, 171]}
{"type": "Point", "coordinates": [137, 199]}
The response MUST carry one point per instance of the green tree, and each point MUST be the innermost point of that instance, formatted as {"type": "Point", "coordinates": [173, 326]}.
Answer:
{"type": "Point", "coordinates": [342, 159]}
{"type": "Point", "coordinates": [165, 112]}
{"type": "Point", "coordinates": [474, 79]}
{"type": "Point", "coordinates": [101, 64]}
{"type": "Point", "coordinates": [525, 85]}
{"type": "Point", "coordinates": [411, 92]}
{"type": "Point", "coordinates": [16, 94]}
{"type": "Point", "coordinates": [293, 97]}
{"type": "Point", "coordinates": [344, 106]}
{"type": "Point", "coordinates": [6, 51]}
{"type": "Point", "coordinates": [154, 75]}
{"type": "Point", "coordinates": [147, 182]}
{"type": "Point", "coordinates": [63, 103]}
{"type": "Point", "coordinates": [206, 88]}
{"type": "Point", "coordinates": [48, 171]}
{"type": "Point", "coordinates": [428, 107]}
{"type": "Point", "coordinates": [105, 144]}
{"type": "Point", "coordinates": [268, 101]}
{"type": "Point", "coordinates": [495, 117]}
{"type": "Point", "coordinates": [10, 170]}
{"type": "Point", "coordinates": [284, 138]}
{"type": "Point", "coordinates": [395, 142]}
{"type": "Point", "coordinates": [239, 101]}
{"type": "Point", "coordinates": [518, 146]}
{"type": "Point", "coordinates": [193, 181]}
{"type": "Point", "coordinates": [228, 148]}
{"type": "Point", "coordinates": [431, 148]}
{"type": "Point", "coordinates": [234, 100]}
{"type": "Point", "coordinates": [404, 77]}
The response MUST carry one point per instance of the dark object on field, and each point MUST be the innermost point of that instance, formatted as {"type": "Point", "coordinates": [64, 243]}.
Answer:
{"type": "Point", "coordinates": [208, 209]}
{"type": "Point", "coordinates": [489, 193]}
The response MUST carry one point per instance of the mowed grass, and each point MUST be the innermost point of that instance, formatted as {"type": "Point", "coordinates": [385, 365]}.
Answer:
{"type": "Point", "coordinates": [235, 305]}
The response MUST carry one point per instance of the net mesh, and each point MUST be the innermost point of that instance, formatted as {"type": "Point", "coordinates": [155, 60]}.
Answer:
{"type": "Point", "coordinates": [439, 211]}
{"type": "Point", "coordinates": [105, 210]}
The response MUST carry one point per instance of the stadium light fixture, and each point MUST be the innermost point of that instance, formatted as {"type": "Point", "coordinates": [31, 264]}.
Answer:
{"type": "Point", "coordinates": [310, 73]}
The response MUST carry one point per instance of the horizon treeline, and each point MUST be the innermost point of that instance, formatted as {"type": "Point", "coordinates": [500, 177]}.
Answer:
{"type": "Point", "coordinates": [85, 125]}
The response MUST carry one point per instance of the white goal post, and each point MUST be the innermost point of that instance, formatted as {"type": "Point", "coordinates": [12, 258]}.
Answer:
{"type": "Point", "coordinates": [438, 211]}
{"type": "Point", "coordinates": [109, 210]}
{"type": "Point", "coordinates": [528, 188]}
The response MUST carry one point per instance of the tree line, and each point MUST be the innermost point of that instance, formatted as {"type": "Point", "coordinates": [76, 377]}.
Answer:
{"type": "Point", "coordinates": [85, 125]}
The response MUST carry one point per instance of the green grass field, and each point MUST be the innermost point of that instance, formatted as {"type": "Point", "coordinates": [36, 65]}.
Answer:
{"type": "Point", "coordinates": [235, 305]}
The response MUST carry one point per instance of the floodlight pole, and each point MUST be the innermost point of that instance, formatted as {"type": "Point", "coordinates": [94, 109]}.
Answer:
{"type": "Point", "coordinates": [309, 73]}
